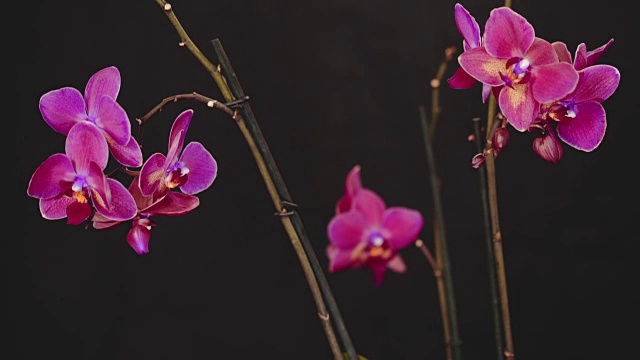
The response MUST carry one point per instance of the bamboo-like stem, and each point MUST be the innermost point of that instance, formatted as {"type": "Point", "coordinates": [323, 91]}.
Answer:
{"type": "Point", "coordinates": [442, 254]}
{"type": "Point", "coordinates": [277, 190]}
{"type": "Point", "coordinates": [496, 234]}
{"type": "Point", "coordinates": [493, 290]}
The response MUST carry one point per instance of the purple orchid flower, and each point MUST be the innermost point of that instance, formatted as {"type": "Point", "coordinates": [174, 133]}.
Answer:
{"type": "Point", "coordinates": [470, 31]}
{"type": "Point", "coordinates": [525, 67]}
{"type": "Point", "coordinates": [192, 171]}
{"type": "Point", "coordinates": [580, 118]}
{"type": "Point", "coordinates": [65, 183]}
{"type": "Point", "coordinates": [352, 185]}
{"type": "Point", "coordinates": [370, 235]}
{"type": "Point", "coordinates": [65, 107]}
{"type": "Point", "coordinates": [140, 233]}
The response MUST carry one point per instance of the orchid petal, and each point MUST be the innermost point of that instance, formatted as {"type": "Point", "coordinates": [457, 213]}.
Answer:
{"type": "Point", "coordinates": [50, 177]}
{"type": "Point", "coordinates": [562, 51]}
{"type": "Point", "coordinates": [152, 174]}
{"type": "Point", "coordinates": [122, 206]}
{"type": "Point", "coordinates": [86, 144]}
{"type": "Point", "coordinates": [100, 191]}
{"type": "Point", "coordinates": [101, 222]}
{"type": "Point", "coordinates": [507, 34]}
{"type": "Point", "coordinates": [138, 238]}
{"type": "Point", "coordinates": [55, 208]}
{"type": "Point", "coordinates": [78, 212]}
{"type": "Point", "coordinates": [347, 230]}
{"type": "Point", "coordinates": [397, 264]}
{"type": "Point", "coordinates": [468, 26]}
{"type": "Point", "coordinates": [203, 168]}
{"type": "Point", "coordinates": [461, 80]}
{"type": "Point", "coordinates": [178, 132]}
{"type": "Point", "coordinates": [128, 155]}
{"type": "Point", "coordinates": [176, 204]}
{"type": "Point", "coordinates": [597, 82]}
{"type": "Point", "coordinates": [113, 120]}
{"type": "Point", "coordinates": [482, 66]}
{"type": "Point", "coordinates": [541, 52]}
{"type": "Point", "coordinates": [580, 61]}
{"type": "Point", "coordinates": [339, 259]}
{"type": "Point", "coordinates": [62, 109]}
{"type": "Point", "coordinates": [353, 183]}
{"type": "Point", "coordinates": [401, 226]}
{"type": "Point", "coordinates": [104, 82]}
{"type": "Point", "coordinates": [174, 151]}
{"type": "Point", "coordinates": [594, 55]}
{"type": "Point", "coordinates": [586, 131]}
{"type": "Point", "coordinates": [553, 81]}
{"type": "Point", "coordinates": [370, 205]}
{"type": "Point", "coordinates": [378, 274]}
{"type": "Point", "coordinates": [518, 106]}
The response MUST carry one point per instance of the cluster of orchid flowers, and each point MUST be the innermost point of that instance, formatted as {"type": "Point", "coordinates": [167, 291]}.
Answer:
{"type": "Point", "coordinates": [537, 85]}
{"type": "Point", "coordinates": [73, 185]}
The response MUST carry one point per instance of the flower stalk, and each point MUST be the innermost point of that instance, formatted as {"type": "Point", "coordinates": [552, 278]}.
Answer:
{"type": "Point", "coordinates": [285, 208]}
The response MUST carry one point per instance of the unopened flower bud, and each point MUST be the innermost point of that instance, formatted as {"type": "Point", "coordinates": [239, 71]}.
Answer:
{"type": "Point", "coordinates": [548, 148]}
{"type": "Point", "coordinates": [500, 139]}
{"type": "Point", "coordinates": [477, 160]}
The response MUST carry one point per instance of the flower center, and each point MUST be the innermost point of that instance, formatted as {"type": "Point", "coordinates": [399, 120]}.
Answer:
{"type": "Point", "coordinates": [518, 72]}
{"type": "Point", "coordinates": [178, 175]}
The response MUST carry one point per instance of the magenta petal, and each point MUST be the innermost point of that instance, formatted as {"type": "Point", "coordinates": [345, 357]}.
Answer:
{"type": "Point", "coordinates": [101, 222]}
{"type": "Point", "coordinates": [55, 208]}
{"type": "Point", "coordinates": [482, 66]}
{"type": "Point", "coordinates": [178, 132]}
{"type": "Point", "coordinates": [78, 212]}
{"type": "Point", "coordinates": [48, 179]}
{"type": "Point", "coordinates": [128, 155]}
{"type": "Point", "coordinates": [138, 238]}
{"type": "Point", "coordinates": [597, 82]}
{"type": "Point", "coordinates": [100, 191]}
{"type": "Point", "coordinates": [152, 173]}
{"type": "Point", "coordinates": [104, 82]}
{"type": "Point", "coordinates": [346, 230]}
{"type": "Point", "coordinates": [507, 33]}
{"type": "Point", "coordinates": [541, 52]}
{"type": "Point", "coordinates": [401, 226]}
{"type": "Point", "coordinates": [62, 109]}
{"type": "Point", "coordinates": [580, 60]}
{"type": "Point", "coordinates": [594, 55]}
{"type": "Point", "coordinates": [586, 131]}
{"type": "Point", "coordinates": [173, 204]}
{"type": "Point", "coordinates": [202, 168]}
{"type": "Point", "coordinates": [378, 274]}
{"type": "Point", "coordinates": [86, 144]}
{"type": "Point", "coordinates": [174, 151]}
{"type": "Point", "coordinates": [339, 259]}
{"type": "Point", "coordinates": [461, 80]}
{"type": "Point", "coordinates": [518, 106]}
{"type": "Point", "coordinates": [112, 118]}
{"type": "Point", "coordinates": [122, 205]}
{"type": "Point", "coordinates": [353, 183]}
{"type": "Point", "coordinates": [370, 205]}
{"type": "Point", "coordinates": [397, 264]}
{"type": "Point", "coordinates": [553, 81]}
{"type": "Point", "coordinates": [468, 26]}
{"type": "Point", "coordinates": [562, 51]}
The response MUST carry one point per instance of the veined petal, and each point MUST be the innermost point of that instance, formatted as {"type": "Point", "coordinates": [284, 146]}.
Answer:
{"type": "Point", "coordinates": [482, 66]}
{"type": "Point", "coordinates": [468, 26]}
{"type": "Point", "coordinates": [113, 120]}
{"type": "Point", "coordinates": [541, 52]}
{"type": "Point", "coordinates": [461, 80]}
{"type": "Point", "coordinates": [586, 131]}
{"type": "Point", "coordinates": [347, 230]}
{"type": "Point", "coordinates": [128, 155]}
{"type": "Point", "coordinates": [507, 34]}
{"type": "Point", "coordinates": [594, 55]}
{"type": "Point", "coordinates": [174, 151]}
{"type": "Point", "coordinates": [580, 61]}
{"type": "Point", "coordinates": [518, 106]}
{"type": "Point", "coordinates": [138, 238]}
{"type": "Point", "coordinates": [55, 208]}
{"type": "Point", "coordinates": [371, 206]}
{"type": "Point", "coordinates": [86, 144]}
{"type": "Point", "coordinates": [175, 204]}
{"type": "Point", "coordinates": [49, 178]}
{"type": "Point", "coordinates": [597, 82]}
{"type": "Point", "coordinates": [401, 226]}
{"type": "Point", "coordinates": [202, 168]}
{"type": "Point", "coordinates": [178, 132]}
{"type": "Point", "coordinates": [62, 109]}
{"type": "Point", "coordinates": [100, 191]}
{"type": "Point", "coordinates": [103, 82]}
{"type": "Point", "coordinates": [397, 264]}
{"type": "Point", "coordinates": [152, 174]}
{"type": "Point", "coordinates": [553, 81]}
{"type": "Point", "coordinates": [102, 222]}
{"type": "Point", "coordinates": [562, 51]}
{"type": "Point", "coordinates": [122, 205]}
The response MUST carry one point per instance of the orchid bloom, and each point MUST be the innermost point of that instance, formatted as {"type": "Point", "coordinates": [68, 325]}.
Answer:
{"type": "Point", "coordinates": [471, 38]}
{"type": "Point", "coordinates": [66, 183]}
{"type": "Point", "coordinates": [65, 107]}
{"type": "Point", "coordinates": [192, 170]}
{"type": "Point", "coordinates": [352, 185]}
{"type": "Point", "coordinates": [140, 233]}
{"type": "Point", "coordinates": [525, 68]}
{"type": "Point", "coordinates": [580, 118]}
{"type": "Point", "coordinates": [370, 235]}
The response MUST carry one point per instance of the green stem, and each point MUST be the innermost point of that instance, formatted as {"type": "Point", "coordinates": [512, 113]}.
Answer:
{"type": "Point", "coordinates": [440, 229]}
{"type": "Point", "coordinates": [277, 191]}
{"type": "Point", "coordinates": [495, 302]}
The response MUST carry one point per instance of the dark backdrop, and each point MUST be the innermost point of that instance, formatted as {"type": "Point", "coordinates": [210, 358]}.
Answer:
{"type": "Point", "coordinates": [332, 84]}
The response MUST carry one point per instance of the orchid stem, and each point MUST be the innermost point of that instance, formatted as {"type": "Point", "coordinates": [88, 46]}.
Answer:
{"type": "Point", "coordinates": [442, 255]}
{"type": "Point", "coordinates": [247, 123]}
{"type": "Point", "coordinates": [496, 234]}
{"type": "Point", "coordinates": [495, 302]}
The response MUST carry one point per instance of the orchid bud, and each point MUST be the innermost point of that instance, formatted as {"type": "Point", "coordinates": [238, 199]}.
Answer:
{"type": "Point", "coordinates": [548, 148]}
{"type": "Point", "coordinates": [500, 139]}
{"type": "Point", "coordinates": [477, 160]}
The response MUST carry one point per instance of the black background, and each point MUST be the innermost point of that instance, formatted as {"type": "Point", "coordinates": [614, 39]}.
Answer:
{"type": "Point", "coordinates": [332, 84]}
